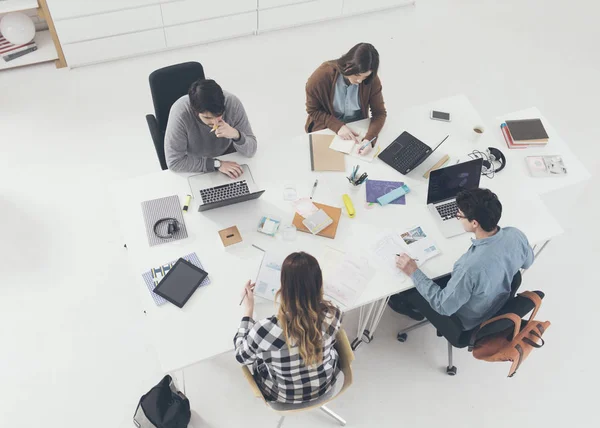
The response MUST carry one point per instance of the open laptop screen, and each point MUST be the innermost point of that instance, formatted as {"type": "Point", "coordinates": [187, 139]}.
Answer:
{"type": "Point", "coordinates": [446, 183]}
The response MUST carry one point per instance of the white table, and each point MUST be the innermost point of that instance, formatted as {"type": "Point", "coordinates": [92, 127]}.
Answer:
{"type": "Point", "coordinates": [206, 325]}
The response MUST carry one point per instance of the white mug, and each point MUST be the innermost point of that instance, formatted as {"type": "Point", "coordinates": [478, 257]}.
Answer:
{"type": "Point", "coordinates": [476, 132]}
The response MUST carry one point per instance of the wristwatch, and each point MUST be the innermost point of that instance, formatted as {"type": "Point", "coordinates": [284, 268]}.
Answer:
{"type": "Point", "coordinates": [217, 163]}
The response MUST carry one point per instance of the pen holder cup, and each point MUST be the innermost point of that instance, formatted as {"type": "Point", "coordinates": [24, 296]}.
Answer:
{"type": "Point", "coordinates": [354, 188]}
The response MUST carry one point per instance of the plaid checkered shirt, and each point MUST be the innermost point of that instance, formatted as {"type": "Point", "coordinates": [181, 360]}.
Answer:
{"type": "Point", "coordinates": [278, 369]}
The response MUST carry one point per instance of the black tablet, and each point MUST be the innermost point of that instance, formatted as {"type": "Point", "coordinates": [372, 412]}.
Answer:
{"type": "Point", "coordinates": [180, 282]}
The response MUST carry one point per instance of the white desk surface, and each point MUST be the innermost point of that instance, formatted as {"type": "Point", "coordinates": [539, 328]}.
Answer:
{"type": "Point", "coordinates": [206, 325]}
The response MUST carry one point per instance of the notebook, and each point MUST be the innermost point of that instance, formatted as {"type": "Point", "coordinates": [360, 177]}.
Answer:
{"type": "Point", "coordinates": [330, 231]}
{"type": "Point", "coordinates": [377, 188]}
{"type": "Point", "coordinates": [322, 158]}
{"type": "Point", "coordinates": [527, 131]}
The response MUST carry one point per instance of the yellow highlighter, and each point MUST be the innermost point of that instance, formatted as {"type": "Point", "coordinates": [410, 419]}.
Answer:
{"type": "Point", "coordinates": [349, 205]}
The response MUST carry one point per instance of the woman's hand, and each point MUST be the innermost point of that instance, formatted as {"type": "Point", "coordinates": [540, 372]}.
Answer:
{"type": "Point", "coordinates": [248, 296]}
{"type": "Point", "coordinates": [348, 134]}
{"type": "Point", "coordinates": [367, 148]}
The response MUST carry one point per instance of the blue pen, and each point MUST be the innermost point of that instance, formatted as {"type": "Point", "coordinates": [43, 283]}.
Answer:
{"type": "Point", "coordinates": [366, 144]}
{"type": "Point", "coordinates": [354, 172]}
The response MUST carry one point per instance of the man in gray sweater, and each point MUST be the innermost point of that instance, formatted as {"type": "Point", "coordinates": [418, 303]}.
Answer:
{"type": "Point", "coordinates": [203, 125]}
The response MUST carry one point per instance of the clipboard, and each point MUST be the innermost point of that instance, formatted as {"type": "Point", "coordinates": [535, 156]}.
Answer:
{"type": "Point", "coordinates": [330, 231]}
{"type": "Point", "coordinates": [322, 158]}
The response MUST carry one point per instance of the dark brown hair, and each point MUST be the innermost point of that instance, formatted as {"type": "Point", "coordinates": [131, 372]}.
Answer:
{"type": "Point", "coordinates": [360, 59]}
{"type": "Point", "coordinates": [302, 308]}
{"type": "Point", "coordinates": [481, 205]}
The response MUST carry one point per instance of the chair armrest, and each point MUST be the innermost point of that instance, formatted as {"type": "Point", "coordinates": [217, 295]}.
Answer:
{"type": "Point", "coordinates": [342, 345]}
{"type": "Point", "coordinates": [253, 386]}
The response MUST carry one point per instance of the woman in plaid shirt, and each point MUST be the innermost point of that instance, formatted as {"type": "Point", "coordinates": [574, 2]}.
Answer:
{"type": "Point", "coordinates": [292, 353]}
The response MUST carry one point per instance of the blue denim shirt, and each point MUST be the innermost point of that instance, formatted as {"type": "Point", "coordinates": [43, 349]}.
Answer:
{"type": "Point", "coordinates": [346, 104]}
{"type": "Point", "coordinates": [481, 278]}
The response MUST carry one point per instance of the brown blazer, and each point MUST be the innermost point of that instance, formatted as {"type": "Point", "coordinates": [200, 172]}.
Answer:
{"type": "Point", "coordinates": [319, 102]}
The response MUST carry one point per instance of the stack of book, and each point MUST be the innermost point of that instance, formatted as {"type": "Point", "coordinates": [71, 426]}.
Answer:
{"type": "Point", "coordinates": [523, 133]}
{"type": "Point", "coordinates": [10, 51]}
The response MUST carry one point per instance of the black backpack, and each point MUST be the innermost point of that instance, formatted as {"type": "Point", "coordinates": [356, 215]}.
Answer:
{"type": "Point", "coordinates": [163, 407]}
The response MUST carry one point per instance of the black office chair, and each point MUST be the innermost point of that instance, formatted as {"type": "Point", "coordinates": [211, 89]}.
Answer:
{"type": "Point", "coordinates": [458, 338]}
{"type": "Point", "coordinates": [167, 85]}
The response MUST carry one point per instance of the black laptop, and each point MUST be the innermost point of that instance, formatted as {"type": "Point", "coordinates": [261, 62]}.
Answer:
{"type": "Point", "coordinates": [407, 152]}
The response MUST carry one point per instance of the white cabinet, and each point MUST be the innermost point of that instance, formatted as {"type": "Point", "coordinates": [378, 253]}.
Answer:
{"type": "Point", "coordinates": [268, 4]}
{"type": "Point", "coordinates": [353, 7]}
{"type": "Point", "coordinates": [298, 14]}
{"type": "Point", "coordinates": [63, 9]}
{"type": "Point", "coordinates": [211, 30]}
{"type": "Point", "coordinates": [109, 24]}
{"type": "Point", "coordinates": [114, 47]}
{"type": "Point", "coordinates": [98, 30]}
{"type": "Point", "coordinates": [185, 11]}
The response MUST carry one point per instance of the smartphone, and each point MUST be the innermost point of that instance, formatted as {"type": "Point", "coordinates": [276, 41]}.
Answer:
{"type": "Point", "coordinates": [440, 115]}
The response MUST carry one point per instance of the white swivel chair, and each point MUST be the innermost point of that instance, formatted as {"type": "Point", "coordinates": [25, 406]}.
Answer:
{"type": "Point", "coordinates": [346, 356]}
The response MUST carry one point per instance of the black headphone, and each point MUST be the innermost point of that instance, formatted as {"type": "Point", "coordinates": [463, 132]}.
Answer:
{"type": "Point", "coordinates": [172, 227]}
{"type": "Point", "coordinates": [493, 161]}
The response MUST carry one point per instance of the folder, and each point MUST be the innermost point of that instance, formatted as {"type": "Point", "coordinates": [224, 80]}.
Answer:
{"type": "Point", "coordinates": [322, 158]}
{"type": "Point", "coordinates": [330, 231]}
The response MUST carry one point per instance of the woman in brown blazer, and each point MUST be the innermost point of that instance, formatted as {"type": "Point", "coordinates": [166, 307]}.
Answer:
{"type": "Point", "coordinates": [343, 90]}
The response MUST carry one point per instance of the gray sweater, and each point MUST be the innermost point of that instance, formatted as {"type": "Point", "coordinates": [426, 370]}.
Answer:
{"type": "Point", "coordinates": [189, 144]}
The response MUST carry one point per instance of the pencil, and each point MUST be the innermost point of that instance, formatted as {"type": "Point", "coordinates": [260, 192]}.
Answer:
{"type": "Point", "coordinates": [214, 128]}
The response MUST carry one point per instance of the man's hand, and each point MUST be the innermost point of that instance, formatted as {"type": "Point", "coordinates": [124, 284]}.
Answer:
{"type": "Point", "coordinates": [231, 169]}
{"type": "Point", "coordinates": [406, 264]}
{"type": "Point", "coordinates": [367, 149]}
{"type": "Point", "coordinates": [224, 130]}
{"type": "Point", "coordinates": [347, 134]}
{"type": "Point", "coordinates": [249, 299]}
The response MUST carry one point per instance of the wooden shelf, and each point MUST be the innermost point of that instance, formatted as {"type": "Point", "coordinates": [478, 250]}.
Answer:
{"type": "Point", "coordinates": [17, 5]}
{"type": "Point", "coordinates": [45, 52]}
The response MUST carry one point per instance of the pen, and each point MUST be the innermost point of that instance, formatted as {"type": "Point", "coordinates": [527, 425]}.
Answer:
{"type": "Point", "coordinates": [367, 143]}
{"type": "Point", "coordinates": [243, 298]}
{"type": "Point", "coordinates": [314, 188]}
{"type": "Point", "coordinates": [416, 260]}
{"type": "Point", "coordinates": [361, 178]}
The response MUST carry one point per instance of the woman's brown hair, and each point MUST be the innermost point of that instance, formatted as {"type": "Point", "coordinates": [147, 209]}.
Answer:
{"type": "Point", "coordinates": [302, 308]}
{"type": "Point", "coordinates": [360, 59]}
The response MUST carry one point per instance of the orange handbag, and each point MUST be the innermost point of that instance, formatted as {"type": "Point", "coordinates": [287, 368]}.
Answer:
{"type": "Point", "coordinates": [513, 344]}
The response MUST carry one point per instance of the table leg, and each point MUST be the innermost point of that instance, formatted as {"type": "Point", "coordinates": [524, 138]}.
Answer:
{"type": "Point", "coordinates": [378, 314]}
{"type": "Point", "coordinates": [362, 323]}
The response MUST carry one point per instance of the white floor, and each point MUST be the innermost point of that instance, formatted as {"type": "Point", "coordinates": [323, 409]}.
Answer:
{"type": "Point", "coordinates": [71, 352]}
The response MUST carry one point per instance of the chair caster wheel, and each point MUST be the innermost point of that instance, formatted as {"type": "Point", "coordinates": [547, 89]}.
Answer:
{"type": "Point", "coordinates": [355, 344]}
{"type": "Point", "coordinates": [451, 371]}
{"type": "Point", "coordinates": [402, 337]}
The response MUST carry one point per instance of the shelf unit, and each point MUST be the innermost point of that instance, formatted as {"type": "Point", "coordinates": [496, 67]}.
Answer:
{"type": "Point", "coordinates": [17, 5]}
{"type": "Point", "coordinates": [49, 48]}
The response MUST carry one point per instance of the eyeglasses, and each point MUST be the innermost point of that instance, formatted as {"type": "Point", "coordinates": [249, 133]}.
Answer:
{"type": "Point", "coordinates": [460, 216]}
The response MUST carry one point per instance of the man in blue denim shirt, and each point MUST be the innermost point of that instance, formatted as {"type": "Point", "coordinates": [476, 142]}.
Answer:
{"type": "Point", "coordinates": [480, 283]}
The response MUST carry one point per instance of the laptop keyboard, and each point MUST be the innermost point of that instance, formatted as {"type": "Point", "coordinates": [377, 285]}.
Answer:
{"type": "Point", "coordinates": [447, 211]}
{"type": "Point", "coordinates": [224, 192]}
{"type": "Point", "coordinates": [406, 158]}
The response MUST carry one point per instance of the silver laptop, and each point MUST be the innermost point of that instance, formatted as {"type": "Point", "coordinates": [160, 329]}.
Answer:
{"type": "Point", "coordinates": [444, 185]}
{"type": "Point", "coordinates": [215, 189]}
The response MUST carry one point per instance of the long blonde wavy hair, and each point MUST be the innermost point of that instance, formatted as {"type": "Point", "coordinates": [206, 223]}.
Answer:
{"type": "Point", "coordinates": [302, 308]}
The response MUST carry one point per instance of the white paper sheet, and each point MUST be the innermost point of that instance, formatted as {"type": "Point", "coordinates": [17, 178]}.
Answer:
{"type": "Point", "coordinates": [413, 241]}
{"type": "Point", "coordinates": [369, 156]}
{"type": "Point", "coordinates": [305, 207]}
{"type": "Point", "coordinates": [268, 280]}
{"type": "Point", "coordinates": [346, 276]}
